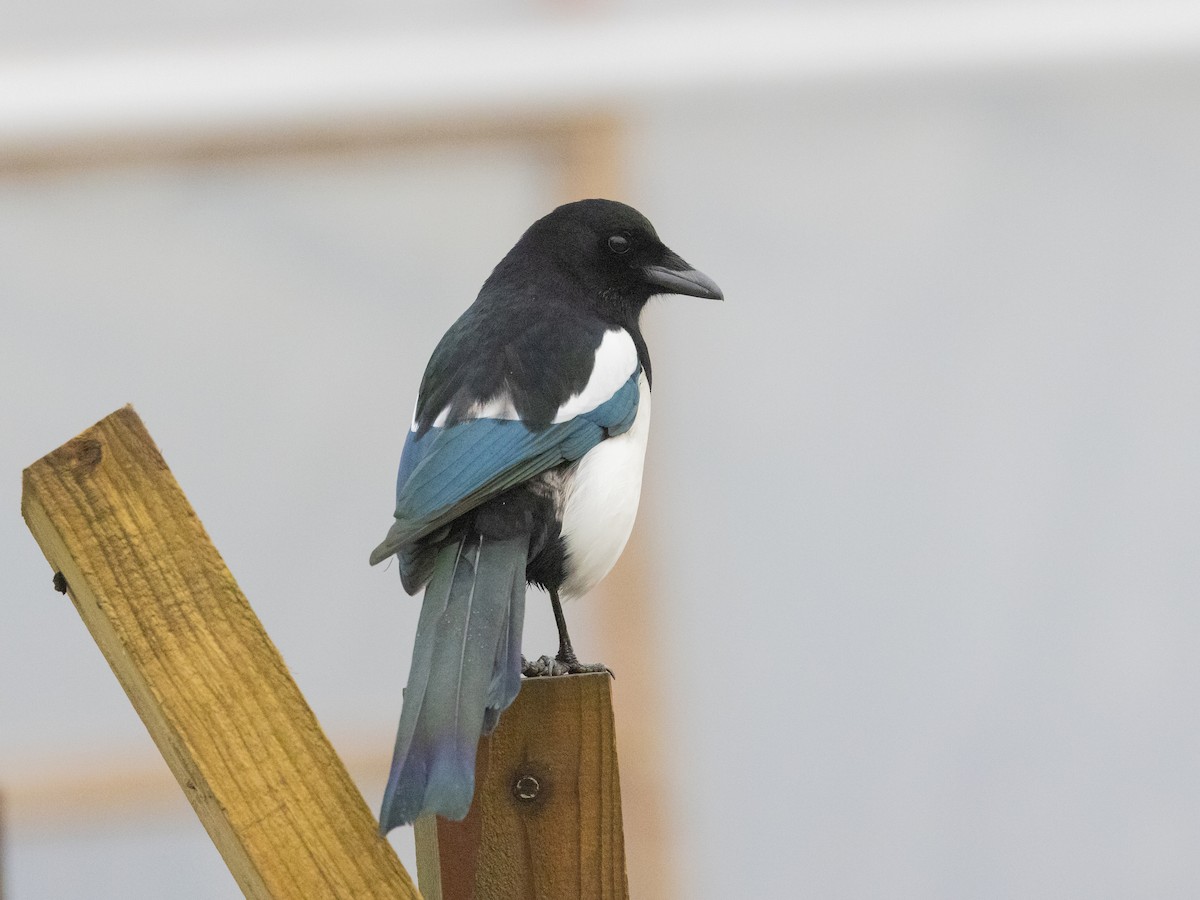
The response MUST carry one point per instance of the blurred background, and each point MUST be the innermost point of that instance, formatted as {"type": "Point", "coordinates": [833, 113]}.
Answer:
{"type": "Point", "coordinates": [913, 604]}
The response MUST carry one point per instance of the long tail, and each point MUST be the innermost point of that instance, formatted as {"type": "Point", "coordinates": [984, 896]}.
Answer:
{"type": "Point", "coordinates": [466, 669]}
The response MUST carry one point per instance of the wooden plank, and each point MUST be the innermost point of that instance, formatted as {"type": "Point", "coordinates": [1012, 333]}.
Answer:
{"type": "Point", "coordinates": [205, 678]}
{"type": "Point", "coordinates": [546, 819]}
{"type": "Point", "coordinates": [131, 783]}
{"type": "Point", "coordinates": [591, 159]}
{"type": "Point", "coordinates": [274, 143]}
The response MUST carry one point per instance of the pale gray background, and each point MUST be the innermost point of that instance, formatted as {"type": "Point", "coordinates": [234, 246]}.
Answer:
{"type": "Point", "coordinates": [924, 490]}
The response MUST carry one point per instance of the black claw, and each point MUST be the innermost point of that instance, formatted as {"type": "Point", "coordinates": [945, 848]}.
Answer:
{"type": "Point", "coordinates": [574, 667]}
{"type": "Point", "coordinates": [60, 583]}
{"type": "Point", "coordinates": [542, 667]}
{"type": "Point", "coordinates": [552, 667]}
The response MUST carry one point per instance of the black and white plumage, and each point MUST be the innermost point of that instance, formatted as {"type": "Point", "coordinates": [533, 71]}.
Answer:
{"type": "Point", "coordinates": [523, 463]}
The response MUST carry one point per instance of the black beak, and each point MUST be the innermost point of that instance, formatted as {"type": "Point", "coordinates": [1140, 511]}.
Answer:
{"type": "Point", "coordinates": [675, 276]}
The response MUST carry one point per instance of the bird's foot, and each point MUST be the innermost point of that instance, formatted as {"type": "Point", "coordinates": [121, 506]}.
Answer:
{"type": "Point", "coordinates": [546, 667]}
{"type": "Point", "coordinates": [566, 657]}
{"type": "Point", "coordinates": [542, 667]}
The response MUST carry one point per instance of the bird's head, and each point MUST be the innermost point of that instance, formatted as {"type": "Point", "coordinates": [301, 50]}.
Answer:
{"type": "Point", "coordinates": [611, 252]}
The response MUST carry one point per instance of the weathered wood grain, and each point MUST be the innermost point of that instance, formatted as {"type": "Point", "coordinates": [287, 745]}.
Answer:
{"type": "Point", "coordinates": [546, 820]}
{"type": "Point", "coordinates": [205, 678]}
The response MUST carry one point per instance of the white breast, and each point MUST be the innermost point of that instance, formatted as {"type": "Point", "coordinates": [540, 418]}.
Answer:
{"type": "Point", "coordinates": [602, 502]}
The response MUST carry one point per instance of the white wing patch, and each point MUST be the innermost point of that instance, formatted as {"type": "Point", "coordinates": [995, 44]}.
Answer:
{"type": "Point", "coordinates": [616, 359]}
{"type": "Point", "coordinates": [499, 407]}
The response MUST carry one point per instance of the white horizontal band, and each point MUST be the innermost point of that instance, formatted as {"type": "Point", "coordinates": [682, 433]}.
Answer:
{"type": "Point", "coordinates": [548, 68]}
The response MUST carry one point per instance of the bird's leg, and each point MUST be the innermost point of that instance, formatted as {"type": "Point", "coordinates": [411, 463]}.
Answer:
{"type": "Point", "coordinates": [565, 663]}
{"type": "Point", "coordinates": [566, 653]}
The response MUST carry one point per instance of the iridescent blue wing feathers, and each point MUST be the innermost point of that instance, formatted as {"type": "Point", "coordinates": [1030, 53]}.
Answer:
{"type": "Point", "coordinates": [449, 471]}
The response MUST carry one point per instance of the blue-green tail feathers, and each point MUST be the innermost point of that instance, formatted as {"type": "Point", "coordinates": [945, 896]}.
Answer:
{"type": "Point", "coordinates": [466, 669]}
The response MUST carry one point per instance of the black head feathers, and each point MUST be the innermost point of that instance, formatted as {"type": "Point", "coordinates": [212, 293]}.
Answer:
{"type": "Point", "coordinates": [601, 254]}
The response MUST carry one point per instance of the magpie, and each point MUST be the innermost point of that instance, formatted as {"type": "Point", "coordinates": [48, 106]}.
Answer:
{"type": "Point", "coordinates": [523, 464]}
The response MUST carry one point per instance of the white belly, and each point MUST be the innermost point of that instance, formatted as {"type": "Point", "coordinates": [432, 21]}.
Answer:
{"type": "Point", "coordinates": [602, 502]}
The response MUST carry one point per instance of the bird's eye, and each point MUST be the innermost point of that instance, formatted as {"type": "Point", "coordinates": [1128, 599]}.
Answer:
{"type": "Point", "coordinates": [618, 243]}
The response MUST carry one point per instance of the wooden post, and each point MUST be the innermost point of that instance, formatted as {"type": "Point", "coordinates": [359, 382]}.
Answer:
{"type": "Point", "coordinates": [546, 819]}
{"type": "Point", "coordinates": [198, 667]}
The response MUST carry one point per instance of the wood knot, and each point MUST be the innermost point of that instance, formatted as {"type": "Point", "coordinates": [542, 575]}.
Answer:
{"type": "Point", "coordinates": [88, 452]}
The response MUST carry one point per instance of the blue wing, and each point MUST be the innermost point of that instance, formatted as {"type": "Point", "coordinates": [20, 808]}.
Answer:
{"type": "Point", "coordinates": [446, 472]}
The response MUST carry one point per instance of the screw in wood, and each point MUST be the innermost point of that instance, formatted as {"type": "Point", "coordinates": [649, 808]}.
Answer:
{"type": "Point", "coordinates": [526, 788]}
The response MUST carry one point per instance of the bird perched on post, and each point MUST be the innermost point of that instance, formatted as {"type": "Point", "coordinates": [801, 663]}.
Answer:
{"type": "Point", "coordinates": [523, 464]}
